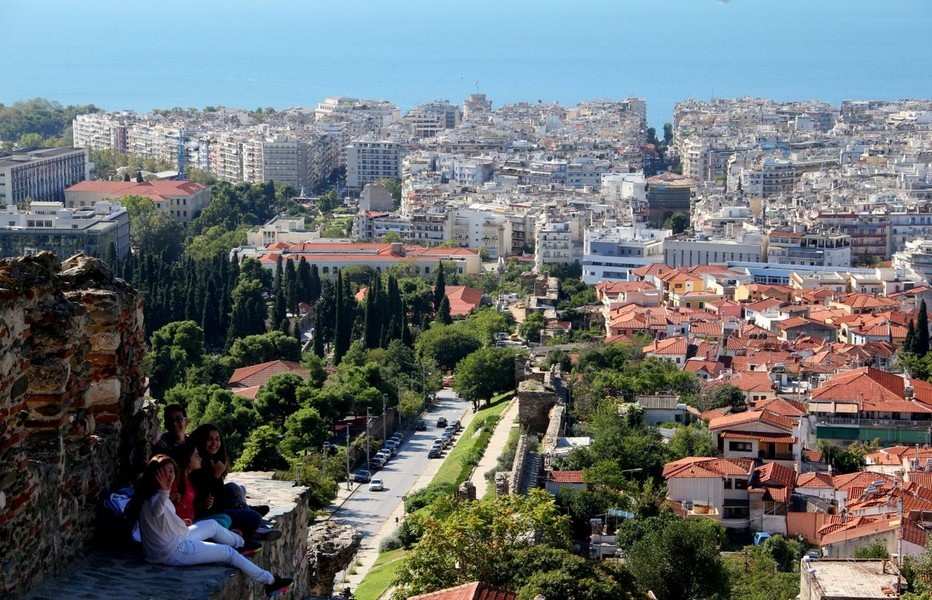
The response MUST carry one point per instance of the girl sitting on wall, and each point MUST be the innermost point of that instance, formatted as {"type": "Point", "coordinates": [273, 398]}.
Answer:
{"type": "Point", "coordinates": [167, 540]}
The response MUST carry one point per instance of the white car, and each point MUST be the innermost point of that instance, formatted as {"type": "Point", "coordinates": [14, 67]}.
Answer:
{"type": "Point", "coordinates": [376, 485]}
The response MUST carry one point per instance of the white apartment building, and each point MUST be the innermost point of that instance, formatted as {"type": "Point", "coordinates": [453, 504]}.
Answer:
{"type": "Point", "coordinates": [41, 174]}
{"type": "Point", "coordinates": [609, 254]}
{"type": "Point", "coordinates": [907, 226]}
{"type": "Point", "coordinates": [616, 187]}
{"type": "Point", "coordinates": [812, 249]}
{"type": "Point", "coordinates": [916, 259]}
{"type": "Point", "coordinates": [774, 176]}
{"type": "Point", "coordinates": [684, 251]}
{"type": "Point", "coordinates": [369, 160]}
{"type": "Point", "coordinates": [281, 230]}
{"type": "Point", "coordinates": [558, 240]}
{"type": "Point", "coordinates": [474, 228]}
{"type": "Point", "coordinates": [101, 131]}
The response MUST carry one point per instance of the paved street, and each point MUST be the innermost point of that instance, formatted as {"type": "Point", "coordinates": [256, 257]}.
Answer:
{"type": "Point", "coordinates": [368, 511]}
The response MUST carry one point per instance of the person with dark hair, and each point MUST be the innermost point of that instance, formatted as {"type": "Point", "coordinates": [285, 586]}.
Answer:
{"type": "Point", "coordinates": [175, 419]}
{"type": "Point", "coordinates": [184, 495]}
{"type": "Point", "coordinates": [215, 495]}
{"type": "Point", "coordinates": [168, 541]}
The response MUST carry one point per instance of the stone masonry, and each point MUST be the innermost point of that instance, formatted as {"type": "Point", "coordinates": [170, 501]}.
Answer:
{"type": "Point", "coordinates": [72, 420]}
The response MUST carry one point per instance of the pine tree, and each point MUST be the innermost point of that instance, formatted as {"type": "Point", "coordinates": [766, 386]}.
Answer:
{"type": "Point", "coordinates": [922, 331]}
{"type": "Point", "coordinates": [440, 286]}
{"type": "Point", "coordinates": [443, 312]}
{"type": "Point", "coordinates": [910, 342]}
{"type": "Point", "coordinates": [393, 315]}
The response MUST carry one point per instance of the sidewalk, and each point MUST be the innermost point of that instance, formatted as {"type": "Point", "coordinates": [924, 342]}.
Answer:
{"type": "Point", "coordinates": [496, 447]}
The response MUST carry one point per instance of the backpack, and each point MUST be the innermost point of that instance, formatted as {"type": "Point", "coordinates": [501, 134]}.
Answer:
{"type": "Point", "coordinates": [114, 531]}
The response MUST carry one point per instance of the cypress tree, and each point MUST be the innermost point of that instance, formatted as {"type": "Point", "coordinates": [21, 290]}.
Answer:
{"type": "Point", "coordinates": [443, 312]}
{"type": "Point", "coordinates": [277, 280]}
{"type": "Point", "coordinates": [340, 323]}
{"type": "Point", "coordinates": [315, 288]}
{"type": "Point", "coordinates": [291, 286]}
{"type": "Point", "coordinates": [374, 312]}
{"type": "Point", "coordinates": [318, 334]}
{"type": "Point", "coordinates": [922, 331]}
{"type": "Point", "coordinates": [910, 341]}
{"type": "Point", "coordinates": [303, 283]}
{"type": "Point", "coordinates": [280, 309]}
{"type": "Point", "coordinates": [440, 286]}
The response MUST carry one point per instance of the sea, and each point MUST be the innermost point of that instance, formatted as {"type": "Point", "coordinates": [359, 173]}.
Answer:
{"type": "Point", "coordinates": [281, 53]}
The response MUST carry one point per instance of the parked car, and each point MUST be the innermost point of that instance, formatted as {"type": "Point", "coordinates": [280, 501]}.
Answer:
{"type": "Point", "coordinates": [362, 476]}
{"type": "Point", "coordinates": [375, 464]}
{"type": "Point", "coordinates": [376, 485]}
{"type": "Point", "coordinates": [390, 446]}
{"type": "Point", "coordinates": [448, 381]}
{"type": "Point", "coordinates": [435, 452]}
{"type": "Point", "coordinates": [442, 422]}
{"type": "Point", "coordinates": [456, 424]}
{"type": "Point", "coordinates": [421, 425]}
{"type": "Point", "coordinates": [384, 456]}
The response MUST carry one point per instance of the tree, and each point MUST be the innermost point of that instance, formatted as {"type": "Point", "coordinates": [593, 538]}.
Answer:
{"type": "Point", "coordinates": [692, 440]}
{"type": "Point", "coordinates": [173, 349]}
{"type": "Point", "coordinates": [260, 453]}
{"type": "Point", "coordinates": [488, 323]}
{"type": "Point", "coordinates": [279, 397]}
{"type": "Point", "coordinates": [443, 312]}
{"type": "Point", "coordinates": [249, 311]}
{"type": "Point", "coordinates": [845, 460]}
{"type": "Point", "coordinates": [678, 222]}
{"type": "Point", "coordinates": [305, 430]}
{"type": "Point", "coordinates": [485, 372]}
{"type": "Point", "coordinates": [440, 287]}
{"type": "Point", "coordinates": [876, 550]}
{"type": "Point", "coordinates": [667, 133]}
{"type": "Point", "coordinates": [262, 348]}
{"type": "Point", "coordinates": [531, 327]}
{"type": "Point", "coordinates": [446, 345]}
{"type": "Point", "coordinates": [910, 340]}
{"type": "Point", "coordinates": [345, 317]}
{"type": "Point", "coordinates": [375, 312]}
{"type": "Point", "coordinates": [922, 331]}
{"type": "Point", "coordinates": [680, 560]}
{"type": "Point", "coordinates": [479, 541]}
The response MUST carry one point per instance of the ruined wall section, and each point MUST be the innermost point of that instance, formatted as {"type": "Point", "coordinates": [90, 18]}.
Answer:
{"type": "Point", "coordinates": [72, 420]}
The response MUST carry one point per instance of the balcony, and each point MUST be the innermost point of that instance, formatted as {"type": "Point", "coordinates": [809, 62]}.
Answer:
{"type": "Point", "coordinates": [856, 422]}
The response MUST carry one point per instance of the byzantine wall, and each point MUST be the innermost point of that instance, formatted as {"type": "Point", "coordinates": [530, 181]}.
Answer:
{"type": "Point", "coordinates": [72, 418]}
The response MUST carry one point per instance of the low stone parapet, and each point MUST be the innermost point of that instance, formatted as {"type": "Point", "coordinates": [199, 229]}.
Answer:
{"type": "Point", "coordinates": [104, 575]}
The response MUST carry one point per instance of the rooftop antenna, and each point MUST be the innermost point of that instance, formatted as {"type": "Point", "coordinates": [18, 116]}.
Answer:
{"type": "Point", "coordinates": [181, 175]}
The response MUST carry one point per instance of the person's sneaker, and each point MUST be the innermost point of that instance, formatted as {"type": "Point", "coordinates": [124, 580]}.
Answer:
{"type": "Point", "coordinates": [279, 586]}
{"type": "Point", "coordinates": [265, 534]}
{"type": "Point", "coordinates": [262, 509]}
{"type": "Point", "coordinates": [250, 548]}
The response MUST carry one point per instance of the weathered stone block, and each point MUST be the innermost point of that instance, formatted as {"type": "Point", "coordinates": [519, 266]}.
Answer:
{"type": "Point", "coordinates": [104, 391]}
{"type": "Point", "coordinates": [106, 342]}
{"type": "Point", "coordinates": [49, 377]}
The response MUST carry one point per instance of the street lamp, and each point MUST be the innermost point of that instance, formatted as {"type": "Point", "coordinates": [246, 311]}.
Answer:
{"type": "Point", "coordinates": [384, 434]}
{"type": "Point", "coordinates": [349, 485]}
{"type": "Point", "coordinates": [367, 437]}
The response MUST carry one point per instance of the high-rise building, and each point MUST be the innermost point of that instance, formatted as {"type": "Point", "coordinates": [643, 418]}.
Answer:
{"type": "Point", "coordinates": [41, 174]}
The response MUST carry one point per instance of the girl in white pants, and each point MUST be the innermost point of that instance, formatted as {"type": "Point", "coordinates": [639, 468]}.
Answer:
{"type": "Point", "coordinates": [167, 540]}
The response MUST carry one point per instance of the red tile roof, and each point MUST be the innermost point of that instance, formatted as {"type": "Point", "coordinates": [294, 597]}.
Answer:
{"type": "Point", "coordinates": [469, 591]}
{"type": "Point", "coordinates": [258, 375]}
{"type": "Point", "coordinates": [158, 191]}
{"type": "Point", "coordinates": [463, 299]}
{"type": "Point", "coordinates": [704, 467]}
{"type": "Point", "coordinates": [565, 476]}
{"type": "Point", "coordinates": [753, 416]}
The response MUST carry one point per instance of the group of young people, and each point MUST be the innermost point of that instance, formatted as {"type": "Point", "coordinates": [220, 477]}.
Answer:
{"type": "Point", "coordinates": [188, 513]}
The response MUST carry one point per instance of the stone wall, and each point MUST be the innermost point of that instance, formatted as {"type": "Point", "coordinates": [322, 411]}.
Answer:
{"type": "Point", "coordinates": [72, 420]}
{"type": "Point", "coordinates": [534, 404]}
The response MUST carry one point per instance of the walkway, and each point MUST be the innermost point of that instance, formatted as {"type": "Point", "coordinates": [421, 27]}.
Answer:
{"type": "Point", "coordinates": [496, 446]}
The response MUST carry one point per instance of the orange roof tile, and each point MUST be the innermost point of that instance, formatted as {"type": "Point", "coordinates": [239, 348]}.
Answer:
{"type": "Point", "coordinates": [257, 375]}
{"type": "Point", "coordinates": [469, 591]}
{"type": "Point", "coordinates": [753, 416]}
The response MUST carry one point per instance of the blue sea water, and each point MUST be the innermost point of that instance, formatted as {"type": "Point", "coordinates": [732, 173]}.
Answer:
{"type": "Point", "coordinates": [279, 53]}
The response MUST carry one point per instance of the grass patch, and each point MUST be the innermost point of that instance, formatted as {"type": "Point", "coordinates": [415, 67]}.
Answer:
{"type": "Point", "coordinates": [459, 462]}
{"type": "Point", "coordinates": [380, 576]}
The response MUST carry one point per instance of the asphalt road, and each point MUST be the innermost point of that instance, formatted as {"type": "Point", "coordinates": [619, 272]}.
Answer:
{"type": "Point", "coordinates": [367, 511]}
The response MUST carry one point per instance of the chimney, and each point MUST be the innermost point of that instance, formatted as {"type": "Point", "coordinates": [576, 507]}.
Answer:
{"type": "Point", "coordinates": [398, 249]}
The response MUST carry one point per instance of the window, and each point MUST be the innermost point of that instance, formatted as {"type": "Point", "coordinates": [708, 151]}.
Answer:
{"type": "Point", "coordinates": [740, 446]}
{"type": "Point", "coordinates": [741, 484]}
